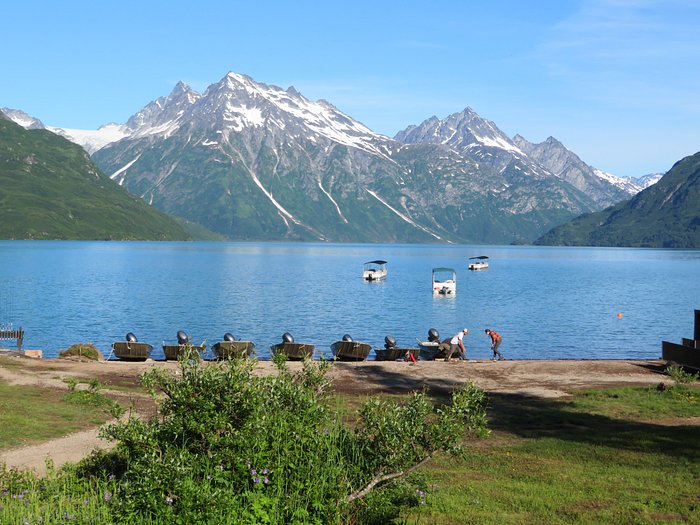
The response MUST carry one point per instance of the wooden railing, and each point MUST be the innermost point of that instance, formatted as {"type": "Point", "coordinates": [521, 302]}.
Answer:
{"type": "Point", "coordinates": [17, 335]}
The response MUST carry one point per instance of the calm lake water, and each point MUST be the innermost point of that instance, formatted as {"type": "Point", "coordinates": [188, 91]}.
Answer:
{"type": "Point", "coordinates": [548, 303]}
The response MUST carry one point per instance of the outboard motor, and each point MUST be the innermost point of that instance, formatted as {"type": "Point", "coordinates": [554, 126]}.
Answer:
{"type": "Point", "coordinates": [287, 338]}
{"type": "Point", "coordinates": [389, 342]}
{"type": "Point", "coordinates": [182, 338]}
{"type": "Point", "coordinates": [131, 338]}
{"type": "Point", "coordinates": [433, 335]}
{"type": "Point", "coordinates": [228, 336]}
{"type": "Point", "coordinates": [347, 338]}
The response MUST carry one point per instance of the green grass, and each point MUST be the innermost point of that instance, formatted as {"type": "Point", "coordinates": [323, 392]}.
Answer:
{"type": "Point", "coordinates": [598, 457]}
{"type": "Point", "coordinates": [618, 456]}
{"type": "Point", "coordinates": [32, 415]}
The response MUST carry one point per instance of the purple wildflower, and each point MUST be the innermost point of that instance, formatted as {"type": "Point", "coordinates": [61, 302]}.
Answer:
{"type": "Point", "coordinates": [111, 477]}
{"type": "Point", "coordinates": [108, 495]}
{"type": "Point", "coordinates": [264, 472]}
{"type": "Point", "coordinates": [266, 481]}
{"type": "Point", "coordinates": [256, 480]}
{"type": "Point", "coordinates": [253, 472]}
{"type": "Point", "coordinates": [208, 476]}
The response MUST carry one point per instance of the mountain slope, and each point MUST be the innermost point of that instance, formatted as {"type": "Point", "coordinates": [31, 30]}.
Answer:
{"type": "Point", "coordinates": [49, 189]}
{"type": "Point", "coordinates": [257, 162]}
{"type": "Point", "coordinates": [481, 140]}
{"type": "Point", "coordinates": [666, 214]}
{"type": "Point", "coordinates": [604, 188]}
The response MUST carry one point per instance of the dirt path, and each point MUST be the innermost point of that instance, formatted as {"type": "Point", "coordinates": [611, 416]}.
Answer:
{"type": "Point", "coordinates": [545, 379]}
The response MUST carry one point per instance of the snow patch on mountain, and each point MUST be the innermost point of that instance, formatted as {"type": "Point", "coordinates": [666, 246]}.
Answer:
{"type": "Point", "coordinates": [648, 180]}
{"type": "Point", "coordinates": [627, 184]}
{"type": "Point", "coordinates": [246, 98]}
{"type": "Point", "coordinates": [93, 140]}
{"type": "Point", "coordinates": [402, 216]}
{"type": "Point", "coordinates": [20, 117]}
{"type": "Point", "coordinates": [123, 169]}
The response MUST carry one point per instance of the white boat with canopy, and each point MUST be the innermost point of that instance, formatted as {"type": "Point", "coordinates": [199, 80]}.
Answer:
{"type": "Point", "coordinates": [375, 271]}
{"type": "Point", "coordinates": [444, 281]}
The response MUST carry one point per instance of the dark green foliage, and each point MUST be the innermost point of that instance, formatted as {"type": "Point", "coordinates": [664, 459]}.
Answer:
{"type": "Point", "coordinates": [49, 189]}
{"type": "Point", "coordinates": [229, 446]}
{"type": "Point", "coordinates": [665, 215]}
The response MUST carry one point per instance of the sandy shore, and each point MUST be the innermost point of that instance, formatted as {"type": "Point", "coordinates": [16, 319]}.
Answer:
{"type": "Point", "coordinates": [544, 379]}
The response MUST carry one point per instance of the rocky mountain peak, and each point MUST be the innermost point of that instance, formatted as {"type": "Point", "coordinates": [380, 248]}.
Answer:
{"type": "Point", "coordinates": [460, 131]}
{"type": "Point", "coordinates": [21, 118]}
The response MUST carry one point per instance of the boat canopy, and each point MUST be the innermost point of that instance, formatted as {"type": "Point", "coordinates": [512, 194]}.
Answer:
{"type": "Point", "coordinates": [480, 257]}
{"type": "Point", "coordinates": [442, 269]}
{"type": "Point", "coordinates": [376, 262]}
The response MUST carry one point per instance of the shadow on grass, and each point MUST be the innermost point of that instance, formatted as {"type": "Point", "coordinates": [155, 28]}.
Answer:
{"type": "Point", "coordinates": [530, 417]}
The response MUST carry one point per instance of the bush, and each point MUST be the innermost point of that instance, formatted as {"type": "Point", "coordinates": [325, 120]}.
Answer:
{"type": "Point", "coordinates": [228, 446]}
{"type": "Point", "coordinates": [680, 376]}
{"type": "Point", "coordinates": [82, 350]}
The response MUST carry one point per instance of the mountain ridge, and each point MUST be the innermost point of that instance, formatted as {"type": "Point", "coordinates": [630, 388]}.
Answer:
{"type": "Point", "coordinates": [257, 162]}
{"type": "Point", "coordinates": [663, 215]}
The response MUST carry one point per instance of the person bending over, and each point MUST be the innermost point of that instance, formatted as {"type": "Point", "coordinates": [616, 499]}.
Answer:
{"type": "Point", "coordinates": [495, 343]}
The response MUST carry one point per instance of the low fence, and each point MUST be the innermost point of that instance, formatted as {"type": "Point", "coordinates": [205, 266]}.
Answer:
{"type": "Point", "coordinates": [17, 335]}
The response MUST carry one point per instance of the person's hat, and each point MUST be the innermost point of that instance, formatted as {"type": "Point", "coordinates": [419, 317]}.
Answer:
{"type": "Point", "coordinates": [487, 330]}
{"type": "Point", "coordinates": [466, 330]}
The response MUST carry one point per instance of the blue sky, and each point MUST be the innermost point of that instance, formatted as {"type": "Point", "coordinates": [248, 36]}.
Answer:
{"type": "Point", "coordinates": [617, 81]}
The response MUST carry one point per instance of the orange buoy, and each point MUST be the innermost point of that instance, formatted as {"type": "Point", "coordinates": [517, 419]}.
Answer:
{"type": "Point", "coordinates": [619, 315]}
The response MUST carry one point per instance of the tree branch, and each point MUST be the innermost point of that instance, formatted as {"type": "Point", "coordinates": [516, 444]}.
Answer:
{"type": "Point", "coordinates": [381, 478]}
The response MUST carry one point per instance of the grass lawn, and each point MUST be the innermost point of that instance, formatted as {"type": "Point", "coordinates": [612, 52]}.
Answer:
{"type": "Point", "coordinates": [607, 456]}
{"type": "Point", "coordinates": [31, 415]}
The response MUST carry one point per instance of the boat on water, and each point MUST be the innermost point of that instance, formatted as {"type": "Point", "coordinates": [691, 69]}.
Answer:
{"type": "Point", "coordinates": [291, 350]}
{"type": "Point", "coordinates": [349, 350]}
{"type": "Point", "coordinates": [391, 352]}
{"type": "Point", "coordinates": [480, 263]}
{"type": "Point", "coordinates": [172, 352]}
{"type": "Point", "coordinates": [131, 349]}
{"type": "Point", "coordinates": [375, 271]}
{"type": "Point", "coordinates": [232, 348]}
{"type": "Point", "coordinates": [444, 281]}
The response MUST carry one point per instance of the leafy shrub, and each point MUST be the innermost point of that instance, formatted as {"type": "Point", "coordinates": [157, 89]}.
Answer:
{"type": "Point", "coordinates": [92, 397]}
{"type": "Point", "coordinates": [680, 376]}
{"type": "Point", "coordinates": [229, 446]}
{"type": "Point", "coordinates": [82, 350]}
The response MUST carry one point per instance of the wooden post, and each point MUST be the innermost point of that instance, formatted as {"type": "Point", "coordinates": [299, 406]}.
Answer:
{"type": "Point", "coordinates": [697, 325]}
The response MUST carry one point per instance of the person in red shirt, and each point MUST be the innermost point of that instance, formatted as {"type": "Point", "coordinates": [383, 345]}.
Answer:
{"type": "Point", "coordinates": [495, 343]}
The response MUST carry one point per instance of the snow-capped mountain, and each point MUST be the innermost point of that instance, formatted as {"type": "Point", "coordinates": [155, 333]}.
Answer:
{"type": "Point", "coordinates": [253, 161]}
{"type": "Point", "coordinates": [648, 180]}
{"type": "Point", "coordinates": [465, 131]}
{"type": "Point", "coordinates": [21, 118]}
{"type": "Point", "coordinates": [481, 140]}
{"type": "Point", "coordinates": [605, 188]}
{"type": "Point", "coordinates": [269, 163]}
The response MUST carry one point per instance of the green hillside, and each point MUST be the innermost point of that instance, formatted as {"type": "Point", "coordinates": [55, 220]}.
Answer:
{"type": "Point", "coordinates": [665, 215]}
{"type": "Point", "coordinates": [49, 189]}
